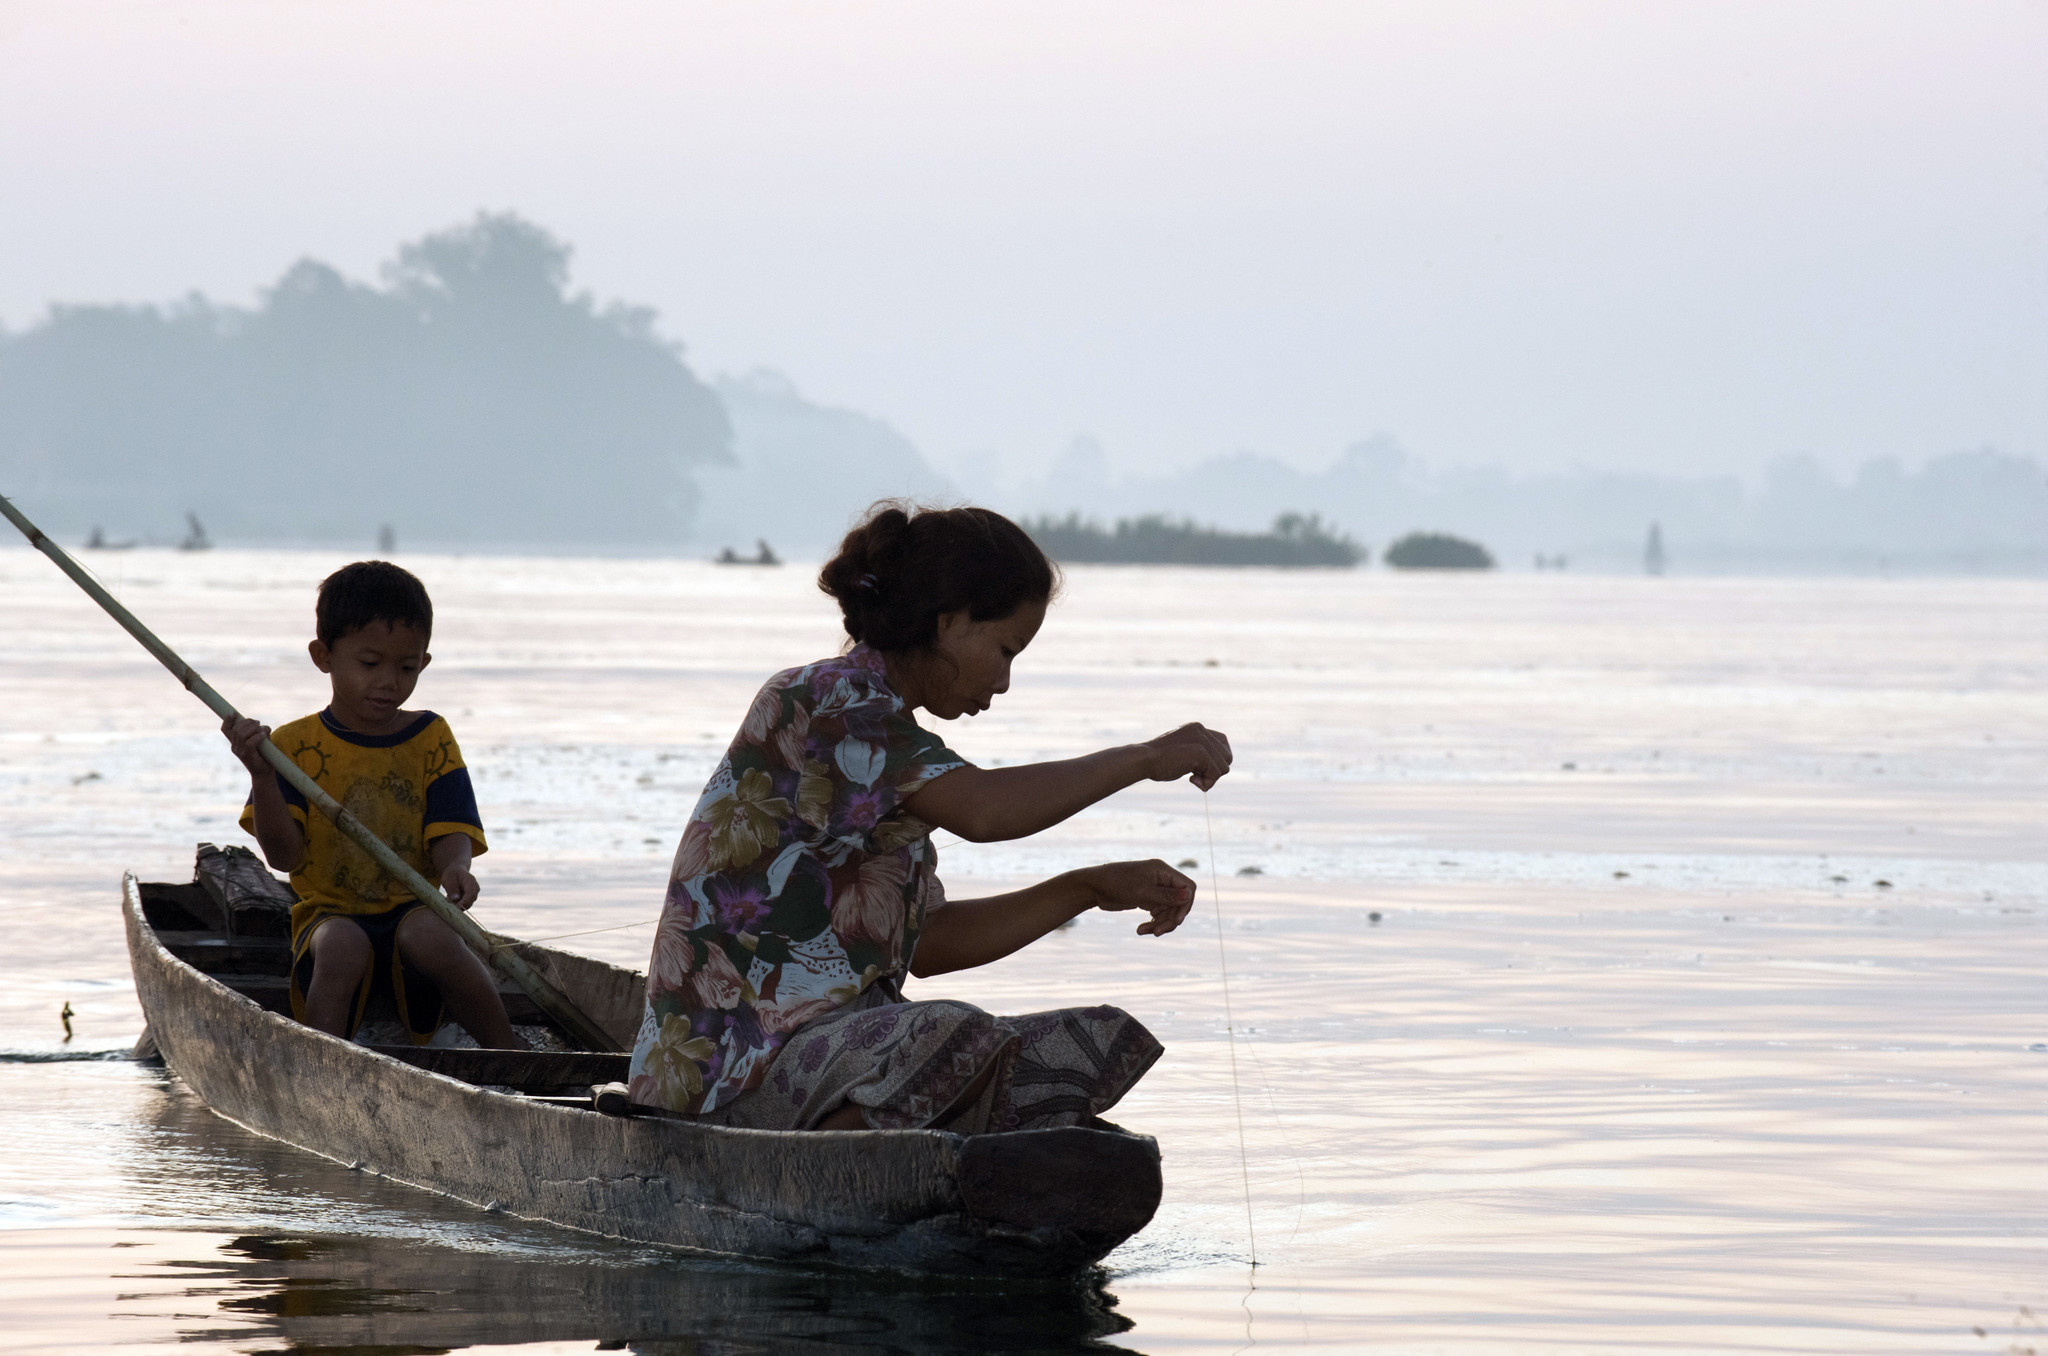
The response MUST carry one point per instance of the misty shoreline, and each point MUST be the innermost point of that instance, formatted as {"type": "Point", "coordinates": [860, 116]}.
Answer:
{"type": "Point", "coordinates": [472, 402]}
{"type": "Point", "coordinates": [104, 562]}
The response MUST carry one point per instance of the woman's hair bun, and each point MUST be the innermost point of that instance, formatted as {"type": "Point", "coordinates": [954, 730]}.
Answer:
{"type": "Point", "coordinates": [903, 567]}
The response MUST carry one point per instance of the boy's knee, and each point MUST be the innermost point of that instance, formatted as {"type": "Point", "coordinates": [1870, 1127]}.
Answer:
{"type": "Point", "coordinates": [341, 953]}
{"type": "Point", "coordinates": [425, 939]}
{"type": "Point", "coordinates": [340, 941]}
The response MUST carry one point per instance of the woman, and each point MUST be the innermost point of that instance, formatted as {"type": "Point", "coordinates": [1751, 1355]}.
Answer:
{"type": "Point", "coordinates": [805, 888]}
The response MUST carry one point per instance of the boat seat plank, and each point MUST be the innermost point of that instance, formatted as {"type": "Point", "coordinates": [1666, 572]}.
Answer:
{"type": "Point", "coordinates": [216, 951]}
{"type": "Point", "coordinates": [515, 1068]}
{"type": "Point", "coordinates": [274, 992]}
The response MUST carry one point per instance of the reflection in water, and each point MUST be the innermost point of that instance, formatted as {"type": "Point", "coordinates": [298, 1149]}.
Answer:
{"type": "Point", "coordinates": [374, 1265]}
{"type": "Point", "coordinates": [344, 1294]}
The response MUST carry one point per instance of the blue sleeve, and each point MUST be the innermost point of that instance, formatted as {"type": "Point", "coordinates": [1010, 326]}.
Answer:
{"type": "Point", "coordinates": [452, 800]}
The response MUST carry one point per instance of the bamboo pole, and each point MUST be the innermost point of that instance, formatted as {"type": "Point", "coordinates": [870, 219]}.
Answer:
{"type": "Point", "coordinates": [545, 995]}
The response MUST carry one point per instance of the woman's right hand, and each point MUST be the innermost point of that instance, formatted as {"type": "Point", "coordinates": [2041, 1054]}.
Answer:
{"type": "Point", "coordinates": [1193, 751]}
{"type": "Point", "coordinates": [246, 738]}
{"type": "Point", "coordinates": [1153, 886]}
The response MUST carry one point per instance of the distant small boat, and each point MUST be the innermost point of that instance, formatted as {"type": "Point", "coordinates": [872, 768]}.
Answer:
{"type": "Point", "coordinates": [547, 1135]}
{"type": "Point", "coordinates": [98, 542]}
{"type": "Point", "coordinates": [195, 535]}
{"type": "Point", "coordinates": [765, 555]}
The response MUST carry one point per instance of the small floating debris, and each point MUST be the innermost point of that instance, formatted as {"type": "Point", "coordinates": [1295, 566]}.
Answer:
{"type": "Point", "coordinates": [1569, 767]}
{"type": "Point", "coordinates": [1621, 875]}
{"type": "Point", "coordinates": [1882, 884]}
{"type": "Point", "coordinates": [1373, 918]}
{"type": "Point", "coordinates": [1839, 880]}
{"type": "Point", "coordinates": [1187, 863]}
{"type": "Point", "coordinates": [1251, 871]}
{"type": "Point", "coordinates": [88, 777]}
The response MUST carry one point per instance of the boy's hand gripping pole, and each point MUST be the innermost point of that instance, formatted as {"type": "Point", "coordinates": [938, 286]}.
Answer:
{"type": "Point", "coordinates": [546, 996]}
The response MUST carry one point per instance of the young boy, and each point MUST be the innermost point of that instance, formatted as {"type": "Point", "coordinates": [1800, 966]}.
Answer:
{"type": "Point", "coordinates": [355, 928]}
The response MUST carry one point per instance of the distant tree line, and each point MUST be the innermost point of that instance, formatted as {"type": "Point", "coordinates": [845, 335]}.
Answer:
{"type": "Point", "coordinates": [469, 398]}
{"type": "Point", "coordinates": [1294, 541]}
{"type": "Point", "coordinates": [1981, 509]}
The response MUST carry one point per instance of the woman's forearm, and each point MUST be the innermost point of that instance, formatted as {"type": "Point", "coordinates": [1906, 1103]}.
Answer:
{"type": "Point", "coordinates": [970, 932]}
{"type": "Point", "coordinates": [989, 805]}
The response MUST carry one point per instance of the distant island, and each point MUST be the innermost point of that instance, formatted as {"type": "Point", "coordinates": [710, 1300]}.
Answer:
{"type": "Point", "coordinates": [1437, 551]}
{"type": "Point", "coordinates": [1295, 541]}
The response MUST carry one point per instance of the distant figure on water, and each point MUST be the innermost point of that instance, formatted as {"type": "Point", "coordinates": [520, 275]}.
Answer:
{"type": "Point", "coordinates": [763, 555]}
{"type": "Point", "coordinates": [805, 890]}
{"type": "Point", "coordinates": [1653, 551]}
{"type": "Point", "coordinates": [97, 541]}
{"type": "Point", "coordinates": [357, 931]}
{"type": "Point", "coordinates": [195, 535]}
{"type": "Point", "coordinates": [387, 540]}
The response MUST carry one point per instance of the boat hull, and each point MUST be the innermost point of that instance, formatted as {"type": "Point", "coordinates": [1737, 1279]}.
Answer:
{"type": "Point", "coordinates": [1031, 1203]}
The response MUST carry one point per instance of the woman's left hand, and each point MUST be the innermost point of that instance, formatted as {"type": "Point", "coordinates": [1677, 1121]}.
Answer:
{"type": "Point", "coordinates": [1153, 886]}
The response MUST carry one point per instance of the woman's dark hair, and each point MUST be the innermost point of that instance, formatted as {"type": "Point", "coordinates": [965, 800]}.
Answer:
{"type": "Point", "coordinates": [904, 567]}
{"type": "Point", "coordinates": [370, 591]}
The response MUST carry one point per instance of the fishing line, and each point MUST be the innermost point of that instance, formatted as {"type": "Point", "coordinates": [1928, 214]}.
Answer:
{"type": "Point", "coordinates": [1244, 1161]}
{"type": "Point", "coordinates": [590, 932]}
{"type": "Point", "coordinates": [1279, 1123]}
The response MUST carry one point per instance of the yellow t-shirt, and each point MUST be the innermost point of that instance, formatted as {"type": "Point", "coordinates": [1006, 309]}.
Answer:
{"type": "Point", "coordinates": [408, 788]}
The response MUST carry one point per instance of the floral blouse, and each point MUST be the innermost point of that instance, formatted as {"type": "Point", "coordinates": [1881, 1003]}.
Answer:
{"type": "Point", "coordinates": [800, 881]}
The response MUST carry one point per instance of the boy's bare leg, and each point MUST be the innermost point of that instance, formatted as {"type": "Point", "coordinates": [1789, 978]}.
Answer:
{"type": "Point", "coordinates": [466, 985]}
{"type": "Point", "coordinates": [341, 952]}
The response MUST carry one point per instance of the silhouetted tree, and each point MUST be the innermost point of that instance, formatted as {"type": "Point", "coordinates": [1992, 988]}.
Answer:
{"type": "Point", "coordinates": [470, 398]}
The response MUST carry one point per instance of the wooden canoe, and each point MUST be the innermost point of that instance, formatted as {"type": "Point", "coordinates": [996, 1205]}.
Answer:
{"type": "Point", "coordinates": [518, 1131]}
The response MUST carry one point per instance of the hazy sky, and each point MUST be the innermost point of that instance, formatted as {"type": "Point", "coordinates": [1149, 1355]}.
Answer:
{"type": "Point", "coordinates": [1668, 235]}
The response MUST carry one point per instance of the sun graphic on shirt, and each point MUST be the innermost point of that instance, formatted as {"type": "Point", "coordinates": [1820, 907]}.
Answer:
{"type": "Point", "coordinates": [316, 769]}
{"type": "Point", "coordinates": [440, 758]}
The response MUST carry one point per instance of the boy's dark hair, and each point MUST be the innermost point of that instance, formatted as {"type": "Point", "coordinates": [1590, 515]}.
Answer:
{"type": "Point", "coordinates": [370, 591]}
{"type": "Point", "coordinates": [904, 567]}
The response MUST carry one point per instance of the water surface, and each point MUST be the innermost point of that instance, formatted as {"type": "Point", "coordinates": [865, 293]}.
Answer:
{"type": "Point", "coordinates": [1703, 1007]}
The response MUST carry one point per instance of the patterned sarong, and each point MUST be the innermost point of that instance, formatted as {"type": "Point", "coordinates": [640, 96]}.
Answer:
{"type": "Point", "coordinates": [910, 1065]}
